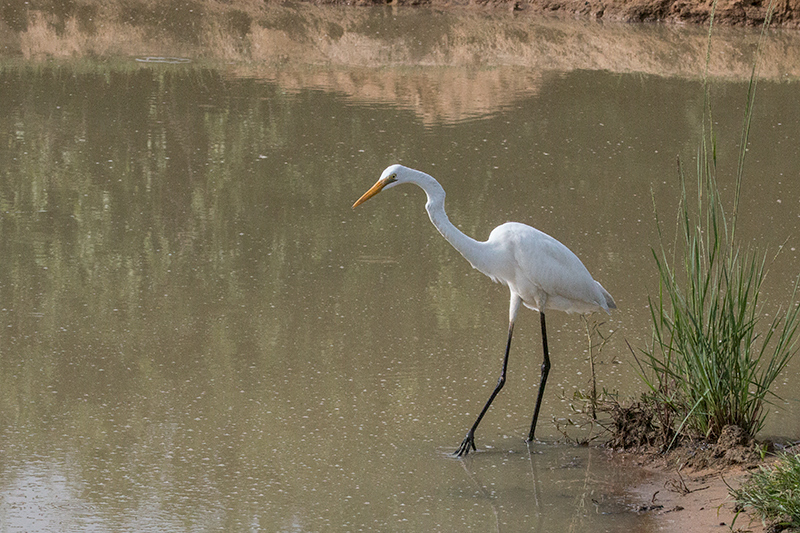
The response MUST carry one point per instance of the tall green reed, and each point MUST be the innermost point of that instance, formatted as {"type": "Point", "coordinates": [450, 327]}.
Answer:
{"type": "Point", "coordinates": [713, 359]}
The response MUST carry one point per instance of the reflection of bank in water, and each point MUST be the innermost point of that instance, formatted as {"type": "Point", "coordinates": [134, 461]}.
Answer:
{"type": "Point", "coordinates": [403, 57]}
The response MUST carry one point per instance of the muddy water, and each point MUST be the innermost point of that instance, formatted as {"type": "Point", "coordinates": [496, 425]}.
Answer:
{"type": "Point", "coordinates": [198, 333]}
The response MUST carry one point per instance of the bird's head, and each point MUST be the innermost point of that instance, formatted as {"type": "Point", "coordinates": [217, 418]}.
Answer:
{"type": "Point", "coordinates": [393, 175]}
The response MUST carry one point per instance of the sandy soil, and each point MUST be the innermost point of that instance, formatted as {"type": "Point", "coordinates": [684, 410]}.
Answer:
{"type": "Point", "coordinates": [728, 12]}
{"type": "Point", "coordinates": [692, 500]}
{"type": "Point", "coordinates": [688, 489]}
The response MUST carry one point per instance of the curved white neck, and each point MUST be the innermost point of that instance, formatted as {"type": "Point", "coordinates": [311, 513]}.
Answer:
{"type": "Point", "coordinates": [466, 245]}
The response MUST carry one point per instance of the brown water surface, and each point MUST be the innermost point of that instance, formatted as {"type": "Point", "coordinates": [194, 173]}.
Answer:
{"type": "Point", "coordinates": [198, 333]}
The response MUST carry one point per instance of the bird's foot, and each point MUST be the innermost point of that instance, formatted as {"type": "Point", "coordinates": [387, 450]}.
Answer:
{"type": "Point", "coordinates": [466, 444]}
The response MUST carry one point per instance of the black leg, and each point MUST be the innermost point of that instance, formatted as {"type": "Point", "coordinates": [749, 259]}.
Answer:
{"type": "Point", "coordinates": [545, 371]}
{"type": "Point", "coordinates": [469, 441]}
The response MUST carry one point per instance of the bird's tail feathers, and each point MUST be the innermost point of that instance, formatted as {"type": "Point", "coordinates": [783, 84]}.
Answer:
{"type": "Point", "coordinates": [610, 303]}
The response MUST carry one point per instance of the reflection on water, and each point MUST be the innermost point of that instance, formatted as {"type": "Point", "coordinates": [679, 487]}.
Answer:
{"type": "Point", "coordinates": [197, 332]}
{"type": "Point", "coordinates": [445, 65]}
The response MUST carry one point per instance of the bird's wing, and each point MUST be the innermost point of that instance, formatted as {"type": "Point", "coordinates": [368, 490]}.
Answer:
{"type": "Point", "coordinates": [549, 273]}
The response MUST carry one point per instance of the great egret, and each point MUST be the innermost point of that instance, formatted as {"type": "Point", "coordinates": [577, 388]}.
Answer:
{"type": "Point", "coordinates": [540, 272]}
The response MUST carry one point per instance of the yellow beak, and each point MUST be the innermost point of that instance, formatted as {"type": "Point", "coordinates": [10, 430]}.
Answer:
{"type": "Point", "coordinates": [375, 189]}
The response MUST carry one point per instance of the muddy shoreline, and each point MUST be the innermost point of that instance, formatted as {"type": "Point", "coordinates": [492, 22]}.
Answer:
{"type": "Point", "coordinates": [690, 500]}
{"type": "Point", "coordinates": [728, 12]}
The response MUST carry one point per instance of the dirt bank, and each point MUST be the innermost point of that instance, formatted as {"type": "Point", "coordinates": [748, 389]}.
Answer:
{"type": "Point", "coordinates": [695, 501]}
{"type": "Point", "coordinates": [688, 489]}
{"type": "Point", "coordinates": [728, 12]}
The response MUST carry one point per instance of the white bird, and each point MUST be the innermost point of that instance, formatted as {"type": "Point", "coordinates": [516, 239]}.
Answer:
{"type": "Point", "coordinates": [540, 272]}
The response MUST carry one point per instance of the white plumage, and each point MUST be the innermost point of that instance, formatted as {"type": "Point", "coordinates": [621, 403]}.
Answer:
{"type": "Point", "coordinates": [539, 271]}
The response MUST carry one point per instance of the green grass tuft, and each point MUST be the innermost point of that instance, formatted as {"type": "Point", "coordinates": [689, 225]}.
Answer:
{"type": "Point", "coordinates": [712, 359]}
{"type": "Point", "coordinates": [774, 492]}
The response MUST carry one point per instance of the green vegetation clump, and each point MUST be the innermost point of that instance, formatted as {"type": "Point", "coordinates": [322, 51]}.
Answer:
{"type": "Point", "coordinates": [774, 492]}
{"type": "Point", "coordinates": [713, 358]}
